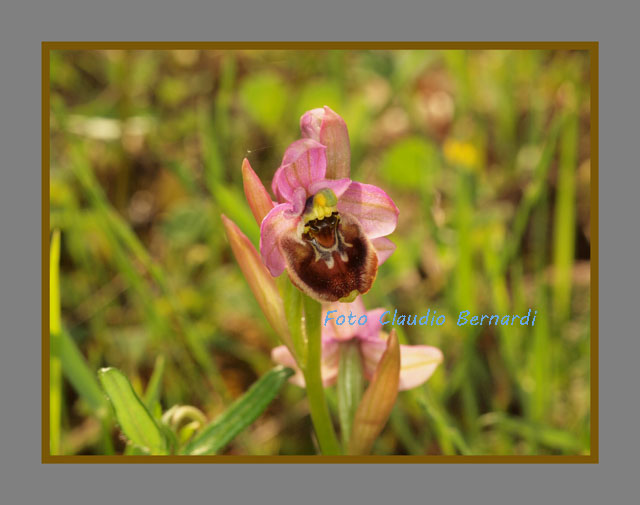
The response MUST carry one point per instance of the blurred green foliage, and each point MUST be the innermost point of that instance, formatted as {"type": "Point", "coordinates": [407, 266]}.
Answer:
{"type": "Point", "coordinates": [486, 154]}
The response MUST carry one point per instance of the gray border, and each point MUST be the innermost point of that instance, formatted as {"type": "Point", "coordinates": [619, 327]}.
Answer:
{"type": "Point", "coordinates": [24, 480]}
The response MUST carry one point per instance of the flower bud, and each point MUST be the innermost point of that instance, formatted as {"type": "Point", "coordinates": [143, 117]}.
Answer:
{"type": "Point", "coordinates": [328, 128]}
{"type": "Point", "coordinates": [311, 122]}
{"type": "Point", "coordinates": [378, 400]}
{"type": "Point", "coordinates": [256, 194]}
{"type": "Point", "coordinates": [260, 281]}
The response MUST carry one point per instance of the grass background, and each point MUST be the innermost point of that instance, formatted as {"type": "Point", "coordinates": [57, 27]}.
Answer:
{"type": "Point", "coordinates": [486, 154]}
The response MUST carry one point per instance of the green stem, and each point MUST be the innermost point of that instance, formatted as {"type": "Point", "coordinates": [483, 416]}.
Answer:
{"type": "Point", "coordinates": [312, 374]}
{"type": "Point", "coordinates": [350, 387]}
{"type": "Point", "coordinates": [292, 299]}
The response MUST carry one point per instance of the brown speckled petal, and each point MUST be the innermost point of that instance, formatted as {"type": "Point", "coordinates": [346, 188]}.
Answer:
{"type": "Point", "coordinates": [329, 274]}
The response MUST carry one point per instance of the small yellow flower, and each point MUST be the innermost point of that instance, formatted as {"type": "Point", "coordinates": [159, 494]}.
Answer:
{"type": "Point", "coordinates": [460, 153]}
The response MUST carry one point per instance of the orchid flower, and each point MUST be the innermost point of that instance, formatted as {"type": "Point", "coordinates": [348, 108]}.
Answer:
{"type": "Point", "coordinates": [417, 362]}
{"type": "Point", "coordinates": [328, 233]}
{"type": "Point", "coordinates": [326, 230]}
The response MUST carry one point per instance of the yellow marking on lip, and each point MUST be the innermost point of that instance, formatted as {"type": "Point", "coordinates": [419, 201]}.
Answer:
{"type": "Point", "coordinates": [324, 205]}
{"type": "Point", "coordinates": [318, 213]}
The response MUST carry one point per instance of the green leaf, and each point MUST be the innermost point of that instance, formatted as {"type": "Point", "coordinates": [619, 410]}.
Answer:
{"type": "Point", "coordinates": [134, 419]}
{"type": "Point", "coordinates": [244, 411]}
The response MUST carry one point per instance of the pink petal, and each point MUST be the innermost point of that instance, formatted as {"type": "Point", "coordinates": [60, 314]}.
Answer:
{"type": "Point", "coordinates": [328, 128]}
{"type": "Point", "coordinates": [274, 225]}
{"type": "Point", "coordinates": [417, 362]}
{"type": "Point", "coordinates": [356, 305]}
{"type": "Point", "coordinates": [368, 331]}
{"type": "Point", "coordinates": [384, 247]}
{"type": "Point", "coordinates": [376, 212]}
{"type": "Point", "coordinates": [338, 186]}
{"type": "Point", "coordinates": [304, 162]}
{"type": "Point", "coordinates": [328, 365]}
{"type": "Point", "coordinates": [374, 326]}
{"type": "Point", "coordinates": [372, 350]}
{"type": "Point", "coordinates": [298, 201]}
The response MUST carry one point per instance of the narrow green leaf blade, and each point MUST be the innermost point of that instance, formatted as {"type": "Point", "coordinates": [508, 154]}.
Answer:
{"type": "Point", "coordinates": [81, 377]}
{"type": "Point", "coordinates": [54, 284]}
{"type": "Point", "coordinates": [55, 368]}
{"type": "Point", "coordinates": [244, 411]}
{"type": "Point", "coordinates": [134, 419]}
{"type": "Point", "coordinates": [152, 393]}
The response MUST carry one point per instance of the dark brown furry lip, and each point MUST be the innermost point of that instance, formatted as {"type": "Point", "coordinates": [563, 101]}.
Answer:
{"type": "Point", "coordinates": [332, 260]}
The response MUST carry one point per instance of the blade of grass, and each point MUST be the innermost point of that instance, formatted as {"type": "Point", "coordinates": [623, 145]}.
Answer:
{"type": "Point", "coordinates": [67, 359]}
{"type": "Point", "coordinates": [500, 297]}
{"type": "Point", "coordinates": [243, 412]}
{"type": "Point", "coordinates": [465, 286]}
{"type": "Point", "coordinates": [541, 356]}
{"type": "Point", "coordinates": [55, 367]}
{"type": "Point", "coordinates": [125, 242]}
{"type": "Point", "coordinates": [550, 437]}
{"type": "Point", "coordinates": [532, 195]}
{"type": "Point", "coordinates": [152, 393]}
{"type": "Point", "coordinates": [448, 436]}
{"type": "Point", "coordinates": [81, 377]}
{"type": "Point", "coordinates": [564, 219]}
{"type": "Point", "coordinates": [401, 427]}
